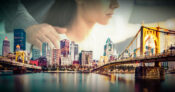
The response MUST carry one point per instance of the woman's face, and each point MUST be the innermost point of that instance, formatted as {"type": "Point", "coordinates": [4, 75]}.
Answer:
{"type": "Point", "coordinates": [99, 11]}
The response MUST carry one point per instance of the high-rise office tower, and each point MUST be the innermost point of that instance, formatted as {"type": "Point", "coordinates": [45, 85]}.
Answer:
{"type": "Point", "coordinates": [6, 47]}
{"type": "Point", "coordinates": [19, 39]}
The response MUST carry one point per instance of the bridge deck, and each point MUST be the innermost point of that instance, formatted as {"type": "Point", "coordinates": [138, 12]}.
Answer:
{"type": "Point", "coordinates": [163, 57]}
{"type": "Point", "coordinates": [6, 61]}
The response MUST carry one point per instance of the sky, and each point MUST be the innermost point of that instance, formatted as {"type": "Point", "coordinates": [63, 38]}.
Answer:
{"type": "Point", "coordinates": [124, 24]}
{"type": "Point", "coordinates": [117, 25]}
{"type": "Point", "coordinates": [118, 29]}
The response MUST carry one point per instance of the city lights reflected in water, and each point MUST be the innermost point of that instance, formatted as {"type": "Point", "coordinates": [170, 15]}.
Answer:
{"type": "Point", "coordinates": [83, 82]}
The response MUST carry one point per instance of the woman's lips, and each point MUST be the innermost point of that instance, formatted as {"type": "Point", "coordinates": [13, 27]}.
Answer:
{"type": "Point", "coordinates": [109, 14]}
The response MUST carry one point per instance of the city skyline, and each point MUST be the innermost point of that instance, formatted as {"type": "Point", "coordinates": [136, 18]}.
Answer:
{"type": "Point", "coordinates": [87, 45]}
{"type": "Point", "coordinates": [68, 52]}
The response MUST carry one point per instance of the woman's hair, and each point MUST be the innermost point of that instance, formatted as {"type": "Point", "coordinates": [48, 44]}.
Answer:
{"type": "Point", "coordinates": [61, 13]}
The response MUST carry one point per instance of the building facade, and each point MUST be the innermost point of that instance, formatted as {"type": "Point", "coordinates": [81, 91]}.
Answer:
{"type": "Point", "coordinates": [2, 36]}
{"type": "Point", "coordinates": [35, 54]}
{"type": "Point", "coordinates": [108, 48]}
{"type": "Point", "coordinates": [6, 47]}
{"type": "Point", "coordinates": [56, 57]}
{"type": "Point", "coordinates": [46, 52]}
{"type": "Point", "coordinates": [74, 52]}
{"type": "Point", "coordinates": [65, 61]}
{"type": "Point", "coordinates": [72, 44]}
{"type": "Point", "coordinates": [64, 46]}
{"type": "Point", "coordinates": [86, 58]}
{"type": "Point", "coordinates": [34, 62]}
{"type": "Point", "coordinates": [44, 49]}
{"type": "Point", "coordinates": [42, 61]}
{"type": "Point", "coordinates": [19, 39]}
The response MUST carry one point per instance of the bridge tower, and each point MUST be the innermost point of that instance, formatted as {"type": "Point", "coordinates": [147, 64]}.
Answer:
{"type": "Point", "coordinates": [150, 32]}
{"type": "Point", "coordinates": [19, 54]}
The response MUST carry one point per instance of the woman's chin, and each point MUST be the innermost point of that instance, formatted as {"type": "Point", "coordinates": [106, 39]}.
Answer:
{"type": "Point", "coordinates": [104, 22]}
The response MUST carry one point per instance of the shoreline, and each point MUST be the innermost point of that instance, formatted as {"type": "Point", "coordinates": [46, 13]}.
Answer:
{"type": "Point", "coordinates": [62, 72]}
{"type": "Point", "coordinates": [11, 72]}
{"type": "Point", "coordinates": [86, 72]}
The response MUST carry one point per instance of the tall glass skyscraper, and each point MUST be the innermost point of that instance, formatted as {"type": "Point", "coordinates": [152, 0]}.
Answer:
{"type": "Point", "coordinates": [46, 52]}
{"type": "Point", "coordinates": [19, 39]}
{"type": "Point", "coordinates": [44, 49]}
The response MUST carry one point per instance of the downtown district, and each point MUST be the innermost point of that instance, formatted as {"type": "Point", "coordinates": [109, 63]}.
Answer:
{"type": "Point", "coordinates": [67, 57]}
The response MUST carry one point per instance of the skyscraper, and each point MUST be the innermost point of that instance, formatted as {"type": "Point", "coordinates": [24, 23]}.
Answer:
{"type": "Point", "coordinates": [35, 54]}
{"type": "Point", "coordinates": [64, 46]}
{"type": "Point", "coordinates": [2, 36]}
{"type": "Point", "coordinates": [74, 51]}
{"type": "Point", "coordinates": [46, 52]}
{"type": "Point", "coordinates": [108, 48]}
{"type": "Point", "coordinates": [44, 49]}
{"type": "Point", "coordinates": [56, 57]}
{"type": "Point", "coordinates": [49, 56]}
{"type": "Point", "coordinates": [19, 39]}
{"type": "Point", "coordinates": [6, 47]}
{"type": "Point", "coordinates": [76, 54]}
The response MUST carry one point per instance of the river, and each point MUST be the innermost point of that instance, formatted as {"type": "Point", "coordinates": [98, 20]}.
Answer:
{"type": "Point", "coordinates": [83, 82]}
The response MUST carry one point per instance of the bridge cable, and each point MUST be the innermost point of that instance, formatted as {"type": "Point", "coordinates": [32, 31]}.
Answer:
{"type": "Point", "coordinates": [130, 43]}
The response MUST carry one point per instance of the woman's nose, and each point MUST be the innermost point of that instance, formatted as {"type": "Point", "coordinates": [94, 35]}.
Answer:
{"type": "Point", "coordinates": [114, 4]}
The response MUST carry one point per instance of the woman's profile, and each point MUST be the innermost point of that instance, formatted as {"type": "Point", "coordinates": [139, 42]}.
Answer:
{"type": "Point", "coordinates": [75, 18]}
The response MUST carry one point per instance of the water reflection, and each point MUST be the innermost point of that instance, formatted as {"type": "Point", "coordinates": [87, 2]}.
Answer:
{"type": "Point", "coordinates": [148, 85]}
{"type": "Point", "coordinates": [77, 82]}
{"type": "Point", "coordinates": [96, 83]}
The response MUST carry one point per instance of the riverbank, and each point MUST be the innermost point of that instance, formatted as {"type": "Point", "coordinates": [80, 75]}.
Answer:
{"type": "Point", "coordinates": [62, 71]}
